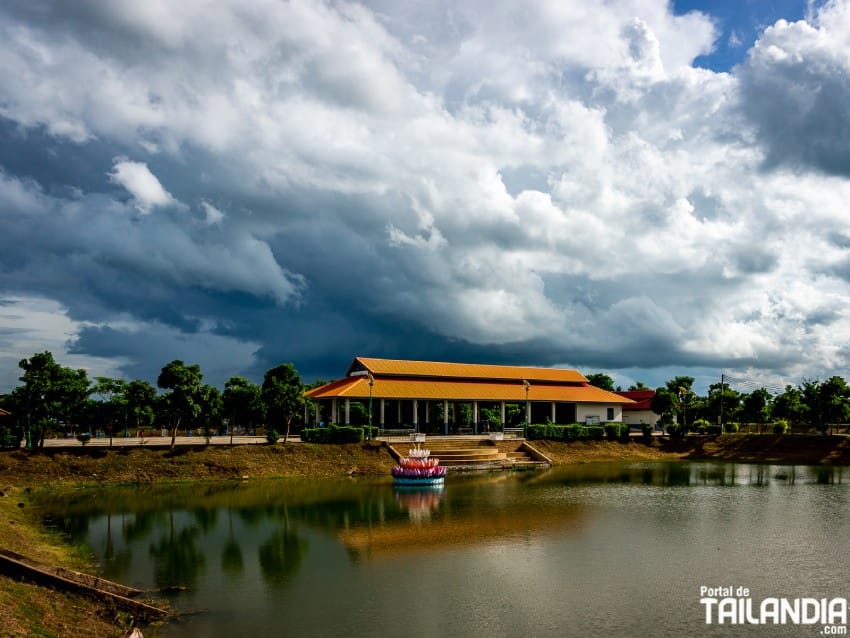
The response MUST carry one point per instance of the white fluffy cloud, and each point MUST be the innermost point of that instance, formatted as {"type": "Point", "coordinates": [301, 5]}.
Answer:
{"type": "Point", "coordinates": [492, 173]}
{"type": "Point", "coordinates": [143, 185]}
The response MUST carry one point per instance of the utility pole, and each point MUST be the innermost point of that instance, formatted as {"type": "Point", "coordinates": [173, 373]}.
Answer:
{"type": "Point", "coordinates": [722, 379]}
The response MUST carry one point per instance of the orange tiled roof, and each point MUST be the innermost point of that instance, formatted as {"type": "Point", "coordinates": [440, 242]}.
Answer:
{"type": "Point", "coordinates": [405, 368]}
{"type": "Point", "coordinates": [462, 390]}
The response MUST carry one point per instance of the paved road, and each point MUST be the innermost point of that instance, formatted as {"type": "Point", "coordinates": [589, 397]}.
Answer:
{"type": "Point", "coordinates": [162, 441]}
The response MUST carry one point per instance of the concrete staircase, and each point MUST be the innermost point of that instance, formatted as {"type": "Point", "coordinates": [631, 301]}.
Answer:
{"type": "Point", "coordinates": [478, 453]}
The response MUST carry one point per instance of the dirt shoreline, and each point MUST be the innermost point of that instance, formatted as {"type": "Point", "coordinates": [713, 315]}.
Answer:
{"type": "Point", "coordinates": [87, 465]}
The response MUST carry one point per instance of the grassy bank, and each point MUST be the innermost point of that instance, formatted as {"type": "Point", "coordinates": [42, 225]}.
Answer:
{"type": "Point", "coordinates": [143, 465]}
{"type": "Point", "coordinates": [28, 610]}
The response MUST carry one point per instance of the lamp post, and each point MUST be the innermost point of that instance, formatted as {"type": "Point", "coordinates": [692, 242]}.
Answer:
{"type": "Point", "coordinates": [527, 387]}
{"type": "Point", "coordinates": [371, 384]}
{"type": "Point", "coordinates": [683, 393]}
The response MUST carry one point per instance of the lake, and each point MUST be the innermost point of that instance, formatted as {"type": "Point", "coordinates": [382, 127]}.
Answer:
{"type": "Point", "coordinates": [610, 549]}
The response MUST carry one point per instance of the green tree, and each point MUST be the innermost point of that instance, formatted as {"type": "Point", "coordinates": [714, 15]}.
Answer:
{"type": "Point", "coordinates": [283, 395]}
{"type": "Point", "coordinates": [111, 410]}
{"type": "Point", "coordinates": [601, 380]}
{"type": "Point", "coordinates": [211, 408]}
{"type": "Point", "coordinates": [242, 403]}
{"type": "Point", "coordinates": [789, 405]}
{"type": "Point", "coordinates": [810, 396]}
{"type": "Point", "coordinates": [181, 403]}
{"type": "Point", "coordinates": [53, 393]}
{"type": "Point", "coordinates": [140, 399]}
{"type": "Point", "coordinates": [638, 385]}
{"type": "Point", "coordinates": [835, 401]}
{"type": "Point", "coordinates": [723, 400]}
{"type": "Point", "coordinates": [755, 407]}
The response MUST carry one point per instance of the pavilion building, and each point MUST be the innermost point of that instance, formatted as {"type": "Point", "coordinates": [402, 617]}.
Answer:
{"type": "Point", "coordinates": [441, 397]}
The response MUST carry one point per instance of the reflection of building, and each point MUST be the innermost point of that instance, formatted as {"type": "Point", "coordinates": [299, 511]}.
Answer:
{"type": "Point", "coordinates": [497, 518]}
{"type": "Point", "coordinates": [419, 503]}
{"type": "Point", "coordinates": [428, 395]}
{"type": "Point", "coordinates": [639, 412]}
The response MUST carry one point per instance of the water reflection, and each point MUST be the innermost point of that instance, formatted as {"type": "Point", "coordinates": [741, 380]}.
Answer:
{"type": "Point", "coordinates": [571, 551]}
{"type": "Point", "coordinates": [232, 562]}
{"type": "Point", "coordinates": [177, 560]}
{"type": "Point", "coordinates": [281, 556]}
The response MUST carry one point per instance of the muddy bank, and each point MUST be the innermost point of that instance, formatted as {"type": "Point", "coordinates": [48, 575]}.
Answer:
{"type": "Point", "coordinates": [800, 449]}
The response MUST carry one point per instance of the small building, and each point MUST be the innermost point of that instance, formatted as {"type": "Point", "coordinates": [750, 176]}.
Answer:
{"type": "Point", "coordinates": [434, 396]}
{"type": "Point", "coordinates": [639, 412]}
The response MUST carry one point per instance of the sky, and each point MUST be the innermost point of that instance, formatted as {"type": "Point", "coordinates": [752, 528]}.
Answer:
{"type": "Point", "coordinates": [637, 187]}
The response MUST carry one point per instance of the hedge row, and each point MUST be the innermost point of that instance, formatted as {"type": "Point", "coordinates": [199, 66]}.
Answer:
{"type": "Point", "coordinates": [338, 434]}
{"type": "Point", "coordinates": [572, 432]}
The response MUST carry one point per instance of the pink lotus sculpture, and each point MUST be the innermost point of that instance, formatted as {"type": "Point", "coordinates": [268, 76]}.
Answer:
{"type": "Point", "coordinates": [417, 468]}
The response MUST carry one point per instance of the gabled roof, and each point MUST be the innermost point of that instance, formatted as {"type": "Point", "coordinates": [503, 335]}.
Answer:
{"type": "Point", "coordinates": [443, 369]}
{"type": "Point", "coordinates": [641, 398]}
{"type": "Point", "coordinates": [437, 380]}
{"type": "Point", "coordinates": [461, 390]}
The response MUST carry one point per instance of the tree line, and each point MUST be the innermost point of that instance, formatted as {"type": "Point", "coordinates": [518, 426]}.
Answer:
{"type": "Point", "coordinates": [819, 405]}
{"type": "Point", "coordinates": [52, 398]}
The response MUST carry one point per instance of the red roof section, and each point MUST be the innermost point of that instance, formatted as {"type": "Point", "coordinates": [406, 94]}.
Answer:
{"type": "Point", "coordinates": [641, 398]}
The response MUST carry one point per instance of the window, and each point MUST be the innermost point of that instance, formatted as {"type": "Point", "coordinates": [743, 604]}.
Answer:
{"type": "Point", "coordinates": [610, 414]}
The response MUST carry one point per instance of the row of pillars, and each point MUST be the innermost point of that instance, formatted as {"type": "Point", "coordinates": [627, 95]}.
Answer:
{"type": "Point", "coordinates": [382, 412]}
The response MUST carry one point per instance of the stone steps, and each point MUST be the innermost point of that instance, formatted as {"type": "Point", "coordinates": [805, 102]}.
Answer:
{"type": "Point", "coordinates": [475, 453]}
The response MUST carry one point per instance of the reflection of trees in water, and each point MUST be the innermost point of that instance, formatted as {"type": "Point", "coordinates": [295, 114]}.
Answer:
{"type": "Point", "coordinates": [116, 563]}
{"type": "Point", "coordinates": [232, 563]}
{"type": "Point", "coordinates": [281, 555]}
{"type": "Point", "coordinates": [206, 518]}
{"type": "Point", "coordinates": [142, 525]}
{"type": "Point", "coordinates": [177, 561]}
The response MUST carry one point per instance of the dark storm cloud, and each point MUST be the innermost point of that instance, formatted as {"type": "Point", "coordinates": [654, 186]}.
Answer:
{"type": "Point", "coordinates": [244, 184]}
{"type": "Point", "coordinates": [795, 89]}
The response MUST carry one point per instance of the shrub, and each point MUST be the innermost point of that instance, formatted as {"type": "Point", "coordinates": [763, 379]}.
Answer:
{"type": "Point", "coordinates": [272, 436]}
{"type": "Point", "coordinates": [702, 425]}
{"type": "Point", "coordinates": [731, 427]}
{"type": "Point", "coordinates": [595, 432]}
{"type": "Point", "coordinates": [336, 434]}
{"type": "Point", "coordinates": [10, 439]}
{"type": "Point", "coordinates": [714, 430]}
{"type": "Point", "coordinates": [617, 431]}
{"type": "Point", "coordinates": [575, 432]}
{"type": "Point", "coordinates": [536, 431]}
{"type": "Point", "coordinates": [646, 429]}
{"type": "Point", "coordinates": [675, 430]}
{"type": "Point", "coordinates": [780, 426]}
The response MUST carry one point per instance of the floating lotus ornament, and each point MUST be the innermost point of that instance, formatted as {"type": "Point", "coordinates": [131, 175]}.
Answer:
{"type": "Point", "coordinates": [418, 468]}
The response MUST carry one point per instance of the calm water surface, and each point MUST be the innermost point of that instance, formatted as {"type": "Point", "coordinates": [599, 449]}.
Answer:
{"type": "Point", "coordinates": [613, 549]}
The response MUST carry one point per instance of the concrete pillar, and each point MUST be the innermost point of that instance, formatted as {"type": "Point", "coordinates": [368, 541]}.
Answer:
{"type": "Point", "coordinates": [382, 414]}
{"type": "Point", "coordinates": [445, 417]}
{"type": "Point", "coordinates": [415, 415]}
{"type": "Point", "coordinates": [475, 417]}
{"type": "Point", "coordinates": [554, 412]}
{"type": "Point", "coordinates": [528, 412]}
{"type": "Point", "coordinates": [317, 414]}
{"type": "Point", "coordinates": [502, 407]}
{"type": "Point", "coordinates": [398, 405]}
{"type": "Point", "coordinates": [427, 412]}
{"type": "Point", "coordinates": [348, 411]}
{"type": "Point", "coordinates": [333, 411]}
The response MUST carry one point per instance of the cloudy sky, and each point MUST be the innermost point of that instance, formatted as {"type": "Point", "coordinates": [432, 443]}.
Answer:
{"type": "Point", "coordinates": [640, 187]}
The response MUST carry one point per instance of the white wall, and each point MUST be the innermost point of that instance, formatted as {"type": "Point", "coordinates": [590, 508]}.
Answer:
{"type": "Point", "coordinates": [584, 410]}
{"type": "Point", "coordinates": [636, 417]}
